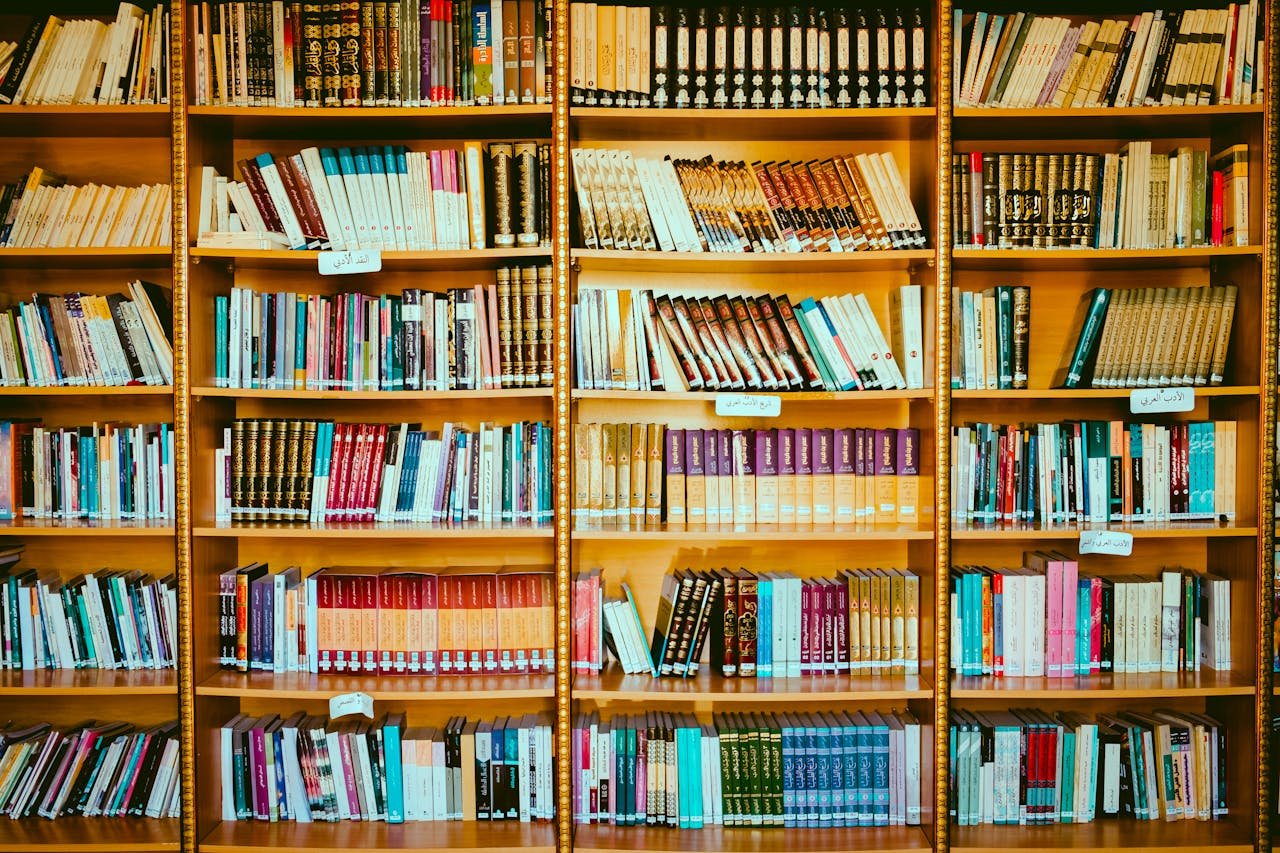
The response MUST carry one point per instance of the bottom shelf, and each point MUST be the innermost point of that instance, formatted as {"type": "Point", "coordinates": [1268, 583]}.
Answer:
{"type": "Point", "coordinates": [376, 837]}
{"type": "Point", "coordinates": [88, 835]}
{"type": "Point", "coordinates": [1106, 836]}
{"type": "Point", "coordinates": [633, 839]}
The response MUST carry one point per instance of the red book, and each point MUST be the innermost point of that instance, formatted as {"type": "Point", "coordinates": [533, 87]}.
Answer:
{"type": "Point", "coordinates": [337, 470]}
{"type": "Point", "coordinates": [379, 458]}
{"type": "Point", "coordinates": [1008, 478]}
{"type": "Point", "coordinates": [748, 622]}
{"type": "Point", "coordinates": [430, 652]}
{"type": "Point", "coordinates": [369, 621]}
{"type": "Point", "coordinates": [543, 637]}
{"type": "Point", "coordinates": [841, 626]}
{"type": "Point", "coordinates": [1215, 221]}
{"type": "Point", "coordinates": [806, 654]}
{"type": "Point", "coordinates": [505, 607]}
{"type": "Point", "coordinates": [522, 650]}
{"type": "Point", "coordinates": [351, 472]}
{"type": "Point", "coordinates": [489, 622]}
{"type": "Point", "coordinates": [384, 589]}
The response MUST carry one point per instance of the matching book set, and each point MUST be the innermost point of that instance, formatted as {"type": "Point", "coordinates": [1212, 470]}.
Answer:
{"type": "Point", "coordinates": [43, 211]}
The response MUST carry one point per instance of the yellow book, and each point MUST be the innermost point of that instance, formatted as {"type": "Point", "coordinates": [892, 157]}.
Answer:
{"type": "Point", "coordinates": [766, 476]}
{"type": "Point", "coordinates": [865, 643]}
{"type": "Point", "coordinates": [804, 476]}
{"type": "Point", "coordinates": [639, 467]}
{"type": "Point", "coordinates": [845, 490]}
{"type": "Point", "coordinates": [886, 618]}
{"type": "Point", "coordinates": [655, 443]}
{"type": "Point", "coordinates": [873, 600]}
{"type": "Point", "coordinates": [824, 486]}
{"type": "Point", "coordinates": [609, 469]}
{"type": "Point", "coordinates": [907, 466]}
{"type": "Point", "coordinates": [898, 622]}
{"type": "Point", "coordinates": [786, 476]}
{"type": "Point", "coordinates": [581, 470]}
{"type": "Point", "coordinates": [911, 636]}
{"type": "Point", "coordinates": [605, 43]}
{"type": "Point", "coordinates": [744, 479]}
{"type": "Point", "coordinates": [855, 620]}
{"type": "Point", "coordinates": [886, 496]}
{"type": "Point", "coordinates": [595, 488]}
{"type": "Point", "coordinates": [622, 457]}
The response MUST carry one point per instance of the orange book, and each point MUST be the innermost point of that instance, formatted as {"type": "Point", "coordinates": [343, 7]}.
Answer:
{"type": "Point", "coordinates": [446, 645]}
{"type": "Point", "coordinates": [473, 596]}
{"type": "Point", "coordinates": [489, 621]}
{"type": "Point", "coordinates": [431, 622]}
{"type": "Point", "coordinates": [653, 476]}
{"type": "Point", "coordinates": [413, 617]}
{"type": "Point", "coordinates": [523, 645]}
{"type": "Point", "coordinates": [824, 485]}
{"type": "Point", "coordinates": [786, 476]}
{"type": "Point", "coordinates": [368, 587]}
{"type": "Point", "coordinates": [639, 471]}
{"type": "Point", "coordinates": [547, 607]}
{"type": "Point", "coordinates": [507, 619]}
{"type": "Point", "coordinates": [804, 476]}
{"type": "Point", "coordinates": [907, 465]}
{"type": "Point", "coordinates": [386, 640]}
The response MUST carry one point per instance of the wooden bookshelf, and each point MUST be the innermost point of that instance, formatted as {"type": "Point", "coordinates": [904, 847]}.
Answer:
{"type": "Point", "coordinates": [631, 839]}
{"type": "Point", "coordinates": [473, 836]}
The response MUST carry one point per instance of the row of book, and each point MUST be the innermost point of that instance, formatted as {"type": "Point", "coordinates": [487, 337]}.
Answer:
{"type": "Point", "coordinates": [760, 624]}
{"type": "Point", "coordinates": [77, 339]}
{"type": "Point", "coordinates": [391, 621]}
{"type": "Point", "coordinates": [743, 56]}
{"type": "Point", "coordinates": [841, 204]}
{"type": "Point", "coordinates": [91, 769]}
{"type": "Point", "coordinates": [990, 337]}
{"type": "Point", "coordinates": [1159, 58]}
{"type": "Point", "coordinates": [819, 769]}
{"type": "Point", "coordinates": [1050, 619]}
{"type": "Point", "coordinates": [42, 211]}
{"type": "Point", "coordinates": [103, 471]}
{"type": "Point", "coordinates": [1028, 766]}
{"type": "Point", "coordinates": [1152, 336]}
{"type": "Point", "coordinates": [320, 471]}
{"type": "Point", "coordinates": [385, 197]}
{"type": "Point", "coordinates": [109, 619]}
{"type": "Point", "coordinates": [486, 336]}
{"type": "Point", "coordinates": [307, 768]}
{"type": "Point", "coordinates": [1095, 472]}
{"type": "Point", "coordinates": [637, 340]}
{"type": "Point", "coordinates": [89, 61]}
{"type": "Point", "coordinates": [399, 53]}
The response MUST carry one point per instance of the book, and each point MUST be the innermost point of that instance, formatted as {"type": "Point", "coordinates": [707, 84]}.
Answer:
{"type": "Point", "coordinates": [992, 330]}
{"type": "Point", "coordinates": [44, 211]}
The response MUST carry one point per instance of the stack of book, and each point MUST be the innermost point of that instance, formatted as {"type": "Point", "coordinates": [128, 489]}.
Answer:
{"type": "Point", "coordinates": [1151, 337]}
{"type": "Point", "coordinates": [42, 211]}
{"type": "Point", "coordinates": [841, 204]}
{"type": "Point", "coordinates": [1049, 619]}
{"type": "Point", "coordinates": [816, 769]}
{"type": "Point", "coordinates": [88, 61]}
{"type": "Point", "coordinates": [1162, 765]}
{"type": "Point", "coordinates": [384, 197]}
{"type": "Point", "coordinates": [990, 337]}
{"type": "Point", "coordinates": [102, 472]}
{"type": "Point", "coordinates": [1095, 472]}
{"type": "Point", "coordinates": [760, 625]}
{"type": "Point", "coordinates": [308, 768]}
{"type": "Point", "coordinates": [747, 56]}
{"type": "Point", "coordinates": [315, 472]}
{"type": "Point", "coordinates": [78, 339]}
{"type": "Point", "coordinates": [1133, 199]}
{"type": "Point", "coordinates": [1161, 58]}
{"type": "Point", "coordinates": [482, 337]}
{"type": "Point", "coordinates": [400, 53]}
{"type": "Point", "coordinates": [93, 769]}
{"type": "Point", "coordinates": [390, 621]}
{"type": "Point", "coordinates": [637, 340]}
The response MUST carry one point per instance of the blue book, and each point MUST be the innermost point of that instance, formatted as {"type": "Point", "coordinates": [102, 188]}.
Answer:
{"type": "Point", "coordinates": [836, 749]}
{"type": "Point", "coordinates": [299, 342]}
{"type": "Point", "coordinates": [879, 770]}
{"type": "Point", "coordinates": [1031, 505]}
{"type": "Point", "coordinates": [511, 761]}
{"type": "Point", "coordinates": [283, 371]}
{"type": "Point", "coordinates": [764, 632]}
{"type": "Point", "coordinates": [47, 320]}
{"type": "Point", "coordinates": [693, 777]}
{"type": "Point", "coordinates": [280, 808]}
{"type": "Point", "coordinates": [973, 621]}
{"type": "Point", "coordinates": [816, 317]}
{"type": "Point", "coordinates": [953, 806]}
{"type": "Point", "coordinates": [822, 736]}
{"type": "Point", "coordinates": [391, 732]}
{"type": "Point", "coordinates": [863, 752]}
{"type": "Point", "coordinates": [221, 309]}
{"type": "Point", "coordinates": [849, 761]}
{"type": "Point", "coordinates": [789, 781]}
{"type": "Point", "coordinates": [622, 791]}
{"type": "Point", "coordinates": [1084, 620]}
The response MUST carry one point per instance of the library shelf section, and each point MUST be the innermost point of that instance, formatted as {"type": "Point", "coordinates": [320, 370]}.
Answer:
{"type": "Point", "coordinates": [292, 686]}
{"type": "Point", "coordinates": [418, 122]}
{"type": "Point", "coordinates": [752, 533]}
{"type": "Point", "coordinates": [613, 685]}
{"type": "Point", "coordinates": [1169, 530]}
{"type": "Point", "coordinates": [101, 258]}
{"type": "Point", "coordinates": [1099, 122]}
{"type": "Point", "coordinates": [1096, 259]}
{"type": "Point", "coordinates": [88, 682]}
{"type": "Point", "coordinates": [1107, 836]}
{"type": "Point", "coordinates": [339, 530]}
{"type": "Point", "coordinates": [617, 260]}
{"type": "Point", "coordinates": [1108, 686]}
{"type": "Point", "coordinates": [85, 527]}
{"type": "Point", "coordinates": [385, 396]}
{"type": "Point", "coordinates": [589, 123]}
{"type": "Point", "coordinates": [89, 835]}
{"type": "Point", "coordinates": [452, 260]}
{"type": "Point", "coordinates": [377, 837]}
{"type": "Point", "coordinates": [786, 396]}
{"type": "Point", "coordinates": [121, 120]}
{"type": "Point", "coordinates": [601, 838]}
{"type": "Point", "coordinates": [1093, 393]}
{"type": "Point", "coordinates": [87, 391]}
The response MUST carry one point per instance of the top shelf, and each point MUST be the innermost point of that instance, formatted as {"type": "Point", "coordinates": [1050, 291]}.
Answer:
{"type": "Point", "coordinates": [373, 122]}
{"type": "Point", "coordinates": [1103, 122]}
{"type": "Point", "coordinates": [140, 120]}
{"type": "Point", "coordinates": [608, 123]}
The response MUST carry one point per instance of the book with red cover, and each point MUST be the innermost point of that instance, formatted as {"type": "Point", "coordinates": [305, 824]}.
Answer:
{"type": "Point", "coordinates": [748, 613]}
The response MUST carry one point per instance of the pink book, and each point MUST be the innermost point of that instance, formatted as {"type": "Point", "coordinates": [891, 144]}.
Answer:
{"type": "Point", "coordinates": [816, 619]}
{"type": "Point", "coordinates": [1053, 614]}
{"type": "Point", "coordinates": [805, 616]}
{"type": "Point", "coordinates": [1070, 597]}
{"type": "Point", "coordinates": [349, 774]}
{"type": "Point", "coordinates": [829, 616]}
{"type": "Point", "coordinates": [997, 588]}
{"type": "Point", "coordinates": [258, 763]}
{"type": "Point", "coordinates": [642, 769]}
{"type": "Point", "coordinates": [841, 627]}
{"type": "Point", "coordinates": [1095, 625]}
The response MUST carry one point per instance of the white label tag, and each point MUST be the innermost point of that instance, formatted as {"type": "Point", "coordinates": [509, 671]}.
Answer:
{"type": "Point", "coordinates": [1143, 401]}
{"type": "Point", "coordinates": [349, 263]}
{"type": "Point", "coordinates": [1113, 542]}
{"type": "Point", "coordinates": [345, 704]}
{"type": "Point", "coordinates": [749, 405]}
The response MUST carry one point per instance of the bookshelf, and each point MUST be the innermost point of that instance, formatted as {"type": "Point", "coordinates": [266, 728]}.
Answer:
{"type": "Point", "coordinates": [172, 142]}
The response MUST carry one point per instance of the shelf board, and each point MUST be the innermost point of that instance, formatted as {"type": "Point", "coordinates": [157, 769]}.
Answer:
{"type": "Point", "coordinates": [1096, 259]}
{"type": "Point", "coordinates": [1100, 122]}
{"type": "Point", "coordinates": [88, 835]}
{"type": "Point", "coordinates": [602, 838]}
{"type": "Point", "coordinates": [608, 123]}
{"type": "Point", "coordinates": [89, 682]}
{"type": "Point", "coordinates": [88, 391]}
{"type": "Point", "coordinates": [378, 122]}
{"type": "Point", "coordinates": [1107, 836]}
{"type": "Point", "coordinates": [1130, 685]}
{"type": "Point", "coordinates": [755, 532]}
{"type": "Point", "coordinates": [93, 258]}
{"type": "Point", "coordinates": [787, 396]}
{"type": "Point", "coordinates": [463, 259]}
{"type": "Point", "coordinates": [298, 686]}
{"type": "Point", "coordinates": [454, 396]}
{"type": "Point", "coordinates": [85, 527]}
{"type": "Point", "coordinates": [378, 837]}
{"type": "Point", "coordinates": [614, 685]}
{"type": "Point", "coordinates": [1171, 530]}
{"type": "Point", "coordinates": [138, 120]}
{"type": "Point", "coordinates": [747, 262]}
{"type": "Point", "coordinates": [1093, 393]}
{"type": "Point", "coordinates": [348, 530]}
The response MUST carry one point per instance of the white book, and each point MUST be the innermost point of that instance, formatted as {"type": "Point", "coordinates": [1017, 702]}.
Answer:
{"type": "Point", "coordinates": [1152, 51]}
{"type": "Point", "coordinates": [1137, 54]}
{"type": "Point", "coordinates": [1033, 627]}
{"type": "Point", "coordinates": [910, 353]}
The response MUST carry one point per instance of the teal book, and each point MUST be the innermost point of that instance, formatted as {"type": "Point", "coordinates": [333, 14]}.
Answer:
{"type": "Point", "coordinates": [824, 369]}
{"type": "Point", "coordinates": [1066, 811]}
{"type": "Point", "coordinates": [1004, 335]}
{"type": "Point", "coordinates": [221, 309]}
{"type": "Point", "coordinates": [1091, 316]}
{"type": "Point", "coordinates": [392, 730]}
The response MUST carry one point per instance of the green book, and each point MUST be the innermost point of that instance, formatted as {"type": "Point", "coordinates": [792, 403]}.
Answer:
{"type": "Point", "coordinates": [1004, 335]}
{"type": "Point", "coordinates": [1199, 187]}
{"type": "Point", "coordinates": [1090, 317]}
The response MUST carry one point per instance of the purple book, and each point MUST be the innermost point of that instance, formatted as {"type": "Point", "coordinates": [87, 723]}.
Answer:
{"type": "Point", "coordinates": [765, 465]}
{"type": "Point", "coordinates": [804, 475]}
{"type": "Point", "coordinates": [695, 476]}
{"type": "Point", "coordinates": [447, 441]}
{"type": "Point", "coordinates": [908, 471]}
{"type": "Point", "coordinates": [711, 465]}
{"type": "Point", "coordinates": [675, 485]}
{"type": "Point", "coordinates": [786, 475]}
{"type": "Point", "coordinates": [824, 485]}
{"type": "Point", "coordinates": [886, 449]}
{"type": "Point", "coordinates": [844, 469]}
{"type": "Point", "coordinates": [258, 766]}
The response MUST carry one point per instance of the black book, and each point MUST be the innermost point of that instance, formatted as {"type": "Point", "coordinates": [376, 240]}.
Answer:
{"type": "Point", "coordinates": [739, 51]}
{"type": "Point", "coordinates": [863, 92]}
{"type": "Point", "coordinates": [776, 85]}
{"type": "Point", "coordinates": [814, 78]}
{"type": "Point", "coordinates": [22, 58]}
{"type": "Point", "coordinates": [796, 90]}
{"type": "Point", "coordinates": [1155, 90]}
{"type": "Point", "coordinates": [701, 36]}
{"type": "Point", "coordinates": [114, 302]}
{"type": "Point", "coordinates": [682, 61]}
{"type": "Point", "coordinates": [720, 57]}
{"type": "Point", "coordinates": [882, 59]}
{"type": "Point", "coordinates": [919, 80]}
{"type": "Point", "coordinates": [757, 57]}
{"type": "Point", "coordinates": [1112, 88]}
{"type": "Point", "coordinates": [901, 60]}
{"type": "Point", "coordinates": [660, 56]}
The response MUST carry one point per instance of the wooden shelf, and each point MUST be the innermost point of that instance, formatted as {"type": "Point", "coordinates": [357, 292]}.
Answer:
{"type": "Point", "coordinates": [1096, 259]}
{"type": "Point", "coordinates": [97, 258]}
{"type": "Point", "coordinates": [1171, 530]}
{"type": "Point", "coordinates": [1100, 122]}
{"type": "Point", "coordinates": [787, 396]}
{"type": "Point", "coordinates": [1094, 393]}
{"type": "Point", "coordinates": [613, 685]}
{"type": "Point", "coordinates": [748, 262]}
{"type": "Point", "coordinates": [1130, 685]}
{"type": "Point", "coordinates": [749, 533]}
{"type": "Point", "coordinates": [349, 530]}
{"type": "Point", "coordinates": [297, 686]}
{"type": "Point", "coordinates": [89, 682]}
{"type": "Point", "coordinates": [86, 120]}
{"type": "Point", "coordinates": [720, 839]}
{"type": "Point", "coordinates": [379, 122]}
{"type": "Point", "coordinates": [468, 259]}
{"type": "Point", "coordinates": [452, 396]}
{"type": "Point", "coordinates": [1107, 836]}
{"type": "Point", "coordinates": [88, 391]}
{"type": "Point", "coordinates": [88, 835]}
{"type": "Point", "coordinates": [85, 527]}
{"type": "Point", "coordinates": [608, 123]}
{"type": "Point", "coordinates": [377, 837]}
